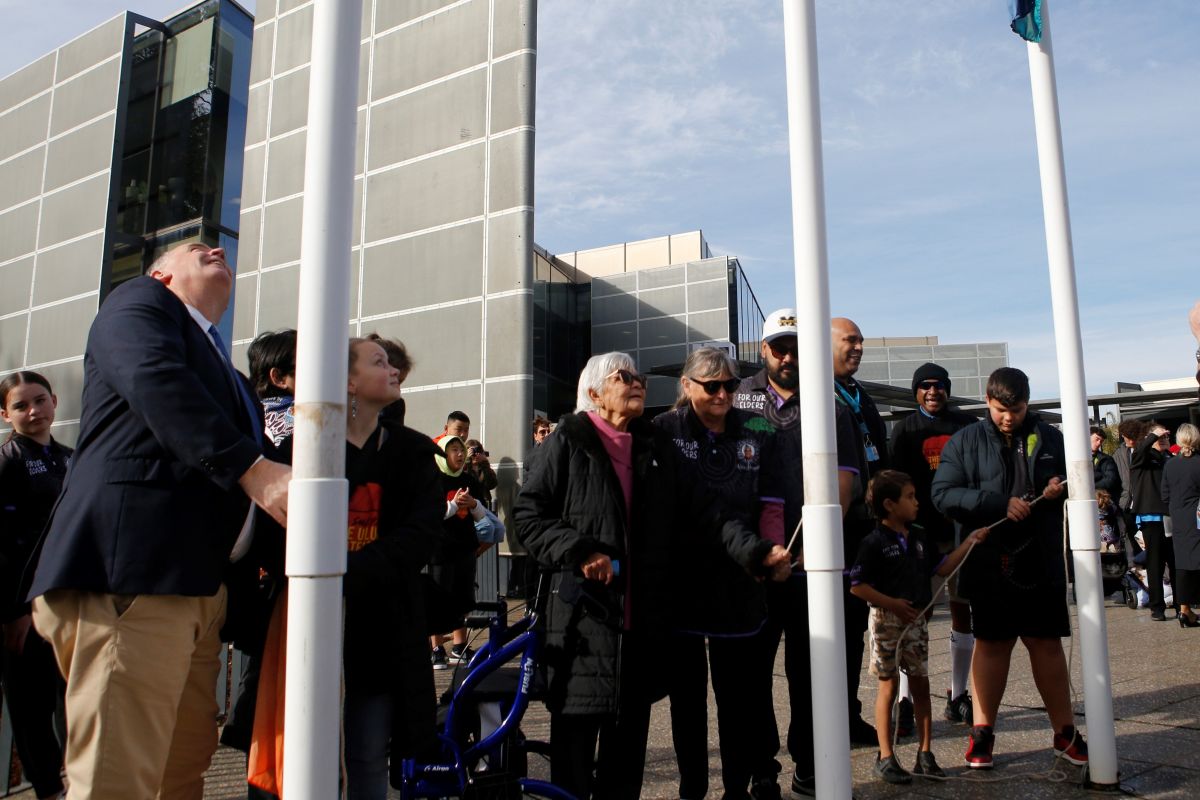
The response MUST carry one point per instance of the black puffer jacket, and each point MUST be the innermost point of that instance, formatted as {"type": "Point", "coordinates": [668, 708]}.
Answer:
{"type": "Point", "coordinates": [1145, 476]}
{"type": "Point", "coordinates": [572, 506]}
{"type": "Point", "coordinates": [972, 486]}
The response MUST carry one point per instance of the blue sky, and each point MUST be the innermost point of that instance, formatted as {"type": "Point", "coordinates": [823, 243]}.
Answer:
{"type": "Point", "coordinates": [660, 116]}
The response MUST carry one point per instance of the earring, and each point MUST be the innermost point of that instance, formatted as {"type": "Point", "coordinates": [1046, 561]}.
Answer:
{"type": "Point", "coordinates": [354, 406]}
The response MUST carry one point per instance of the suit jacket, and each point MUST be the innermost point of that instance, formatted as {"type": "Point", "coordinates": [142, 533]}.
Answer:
{"type": "Point", "coordinates": [151, 504]}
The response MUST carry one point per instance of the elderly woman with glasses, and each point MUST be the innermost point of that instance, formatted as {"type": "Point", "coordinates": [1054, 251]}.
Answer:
{"type": "Point", "coordinates": [730, 454]}
{"type": "Point", "coordinates": [599, 512]}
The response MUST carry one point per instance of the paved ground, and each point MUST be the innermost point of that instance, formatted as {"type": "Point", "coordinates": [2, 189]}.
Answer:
{"type": "Point", "coordinates": [1156, 687]}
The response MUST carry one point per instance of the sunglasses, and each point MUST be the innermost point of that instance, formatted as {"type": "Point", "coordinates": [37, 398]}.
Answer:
{"type": "Point", "coordinates": [779, 351]}
{"type": "Point", "coordinates": [928, 385]}
{"type": "Point", "coordinates": [730, 385]}
{"type": "Point", "coordinates": [627, 377]}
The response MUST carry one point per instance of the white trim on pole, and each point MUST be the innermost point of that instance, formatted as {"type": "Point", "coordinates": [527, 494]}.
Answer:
{"type": "Point", "coordinates": [823, 559]}
{"type": "Point", "coordinates": [1081, 505]}
{"type": "Point", "coordinates": [316, 541]}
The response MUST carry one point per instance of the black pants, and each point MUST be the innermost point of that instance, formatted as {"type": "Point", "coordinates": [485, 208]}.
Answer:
{"type": "Point", "coordinates": [1160, 551]}
{"type": "Point", "coordinates": [34, 689]}
{"type": "Point", "coordinates": [742, 683]}
{"type": "Point", "coordinates": [621, 760]}
{"type": "Point", "coordinates": [856, 616]}
{"type": "Point", "coordinates": [787, 615]}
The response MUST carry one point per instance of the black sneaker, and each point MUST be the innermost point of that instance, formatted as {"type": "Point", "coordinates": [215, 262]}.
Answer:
{"type": "Point", "coordinates": [906, 722]}
{"type": "Point", "coordinates": [979, 747]}
{"type": "Point", "coordinates": [765, 789]}
{"type": "Point", "coordinates": [959, 709]}
{"type": "Point", "coordinates": [927, 765]}
{"type": "Point", "coordinates": [804, 787]}
{"type": "Point", "coordinates": [460, 654]}
{"type": "Point", "coordinates": [889, 769]}
{"type": "Point", "coordinates": [438, 658]}
{"type": "Point", "coordinates": [861, 732]}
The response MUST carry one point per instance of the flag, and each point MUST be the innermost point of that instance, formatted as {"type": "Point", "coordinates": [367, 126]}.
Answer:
{"type": "Point", "coordinates": [1027, 19]}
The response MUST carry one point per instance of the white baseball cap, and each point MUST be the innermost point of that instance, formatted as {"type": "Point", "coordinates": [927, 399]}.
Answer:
{"type": "Point", "coordinates": [781, 322]}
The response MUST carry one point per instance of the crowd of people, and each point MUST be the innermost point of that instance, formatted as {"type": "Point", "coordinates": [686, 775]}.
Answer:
{"type": "Point", "coordinates": [128, 561]}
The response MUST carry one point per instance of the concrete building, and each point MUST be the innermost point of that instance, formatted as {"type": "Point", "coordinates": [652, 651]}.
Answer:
{"type": "Point", "coordinates": [892, 360]}
{"type": "Point", "coordinates": [112, 147]}
{"type": "Point", "coordinates": [443, 204]}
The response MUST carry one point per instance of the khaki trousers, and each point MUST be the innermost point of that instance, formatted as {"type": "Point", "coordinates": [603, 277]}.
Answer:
{"type": "Point", "coordinates": [141, 674]}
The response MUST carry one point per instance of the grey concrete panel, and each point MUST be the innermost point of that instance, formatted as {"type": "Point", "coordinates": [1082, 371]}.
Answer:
{"type": "Point", "coordinates": [22, 128]}
{"type": "Point", "coordinates": [29, 80]}
{"type": "Point", "coordinates": [67, 382]}
{"type": "Point", "coordinates": [12, 342]}
{"type": "Point", "coordinates": [367, 12]}
{"type": "Point", "coordinates": [426, 50]}
{"type": "Point", "coordinates": [614, 284]}
{"type": "Point", "coordinates": [293, 39]}
{"type": "Point", "coordinates": [283, 6]}
{"type": "Point", "coordinates": [18, 231]}
{"type": "Point", "coordinates": [355, 277]}
{"type": "Point", "coordinates": [436, 267]}
{"type": "Point", "coordinates": [280, 295]}
{"type": "Point", "coordinates": [614, 308]}
{"type": "Point", "coordinates": [661, 391]}
{"type": "Point", "coordinates": [68, 270]}
{"type": "Point", "coordinates": [74, 211]}
{"type": "Point", "coordinates": [389, 13]}
{"type": "Point", "coordinates": [260, 55]}
{"type": "Point", "coordinates": [444, 342]}
{"type": "Point", "coordinates": [661, 332]}
{"type": "Point", "coordinates": [507, 430]}
{"type": "Point", "coordinates": [659, 277]}
{"type": "Point", "coordinates": [264, 10]}
{"type": "Point", "coordinates": [360, 141]}
{"type": "Point", "coordinates": [364, 71]}
{"type": "Point", "coordinates": [509, 336]}
{"type": "Point", "coordinates": [245, 296]}
{"type": "Point", "coordinates": [436, 191]}
{"type": "Point", "coordinates": [91, 48]}
{"type": "Point", "coordinates": [67, 434]}
{"type": "Point", "coordinates": [85, 97]}
{"type": "Point", "coordinates": [252, 176]}
{"type": "Point", "coordinates": [256, 113]}
{"type": "Point", "coordinates": [609, 338]}
{"type": "Point", "coordinates": [708, 295]}
{"type": "Point", "coordinates": [708, 269]}
{"type": "Point", "coordinates": [434, 118]}
{"type": "Point", "coordinates": [16, 279]}
{"type": "Point", "coordinates": [81, 152]}
{"type": "Point", "coordinates": [512, 93]}
{"type": "Point", "coordinates": [660, 302]}
{"type": "Point", "coordinates": [652, 357]}
{"type": "Point", "coordinates": [238, 358]}
{"type": "Point", "coordinates": [289, 106]}
{"type": "Point", "coordinates": [426, 411]}
{"type": "Point", "coordinates": [514, 26]}
{"type": "Point", "coordinates": [281, 232]}
{"type": "Point", "coordinates": [510, 241]}
{"type": "Point", "coordinates": [511, 168]}
{"type": "Point", "coordinates": [60, 331]}
{"type": "Point", "coordinates": [21, 178]}
{"type": "Point", "coordinates": [250, 230]}
{"type": "Point", "coordinates": [708, 325]}
{"type": "Point", "coordinates": [285, 160]}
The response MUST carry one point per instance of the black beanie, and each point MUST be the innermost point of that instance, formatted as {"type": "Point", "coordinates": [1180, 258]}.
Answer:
{"type": "Point", "coordinates": [930, 371]}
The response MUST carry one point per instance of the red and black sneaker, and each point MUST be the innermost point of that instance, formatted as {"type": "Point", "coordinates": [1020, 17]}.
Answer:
{"type": "Point", "coordinates": [1070, 746]}
{"type": "Point", "coordinates": [979, 747]}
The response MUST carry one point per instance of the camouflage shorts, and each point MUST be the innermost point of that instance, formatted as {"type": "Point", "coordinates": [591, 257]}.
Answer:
{"type": "Point", "coordinates": [913, 657]}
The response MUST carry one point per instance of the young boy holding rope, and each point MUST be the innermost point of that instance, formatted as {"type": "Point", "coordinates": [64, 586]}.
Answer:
{"type": "Point", "coordinates": [891, 573]}
{"type": "Point", "coordinates": [999, 468]}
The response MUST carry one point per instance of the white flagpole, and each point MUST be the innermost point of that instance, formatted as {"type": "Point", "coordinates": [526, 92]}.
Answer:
{"type": "Point", "coordinates": [317, 500]}
{"type": "Point", "coordinates": [1081, 504]}
{"type": "Point", "coordinates": [823, 559]}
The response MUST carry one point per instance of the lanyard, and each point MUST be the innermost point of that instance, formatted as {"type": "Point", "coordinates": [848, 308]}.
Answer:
{"type": "Point", "coordinates": [854, 403]}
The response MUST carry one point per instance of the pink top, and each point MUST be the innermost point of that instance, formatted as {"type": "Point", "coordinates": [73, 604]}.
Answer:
{"type": "Point", "coordinates": [619, 447]}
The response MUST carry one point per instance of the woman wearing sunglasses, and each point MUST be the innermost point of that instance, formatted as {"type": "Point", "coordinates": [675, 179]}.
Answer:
{"type": "Point", "coordinates": [600, 512]}
{"type": "Point", "coordinates": [730, 454]}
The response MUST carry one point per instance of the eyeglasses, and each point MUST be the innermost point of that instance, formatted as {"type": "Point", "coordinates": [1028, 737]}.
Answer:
{"type": "Point", "coordinates": [627, 377]}
{"type": "Point", "coordinates": [730, 385]}
{"type": "Point", "coordinates": [779, 351]}
{"type": "Point", "coordinates": [930, 385]}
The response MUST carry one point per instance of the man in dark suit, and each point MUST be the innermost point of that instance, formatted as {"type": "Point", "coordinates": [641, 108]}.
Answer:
{"type": "Point", "coordinates": [128, 588]}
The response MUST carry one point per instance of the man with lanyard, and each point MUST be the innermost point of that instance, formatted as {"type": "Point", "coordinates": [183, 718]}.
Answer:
{"type": "Point", "coordinates": [917, 442]}
{"type": "Point", "coordinates": [772, 394]}
{"type": "Point", "coordinates": [860, 429]}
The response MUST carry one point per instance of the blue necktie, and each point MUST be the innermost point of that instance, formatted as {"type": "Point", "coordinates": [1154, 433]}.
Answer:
{"type": "Point", "coordinates": [250, 404]}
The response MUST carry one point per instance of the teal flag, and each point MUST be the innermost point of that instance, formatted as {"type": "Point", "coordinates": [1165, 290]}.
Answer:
{"type": "Point", "coordinates": [1027, 19]}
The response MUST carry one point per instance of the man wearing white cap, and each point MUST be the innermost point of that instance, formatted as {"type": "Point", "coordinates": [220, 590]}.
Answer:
{"type": "Point", "coordinates": [772, 394]}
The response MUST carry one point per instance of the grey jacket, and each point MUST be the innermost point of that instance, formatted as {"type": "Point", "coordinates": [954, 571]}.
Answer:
{"type": "Point", "coordinates": [1122, 456]}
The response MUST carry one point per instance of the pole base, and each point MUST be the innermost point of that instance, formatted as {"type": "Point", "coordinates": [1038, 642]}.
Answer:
{"type": "Point", "coordinates": [1107, 788]}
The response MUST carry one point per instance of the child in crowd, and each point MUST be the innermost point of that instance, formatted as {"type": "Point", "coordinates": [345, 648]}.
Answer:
{"type": "Point", "coordinates": [892, 573]}
{"type": "Point", "coordinates": [1110, 522]}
